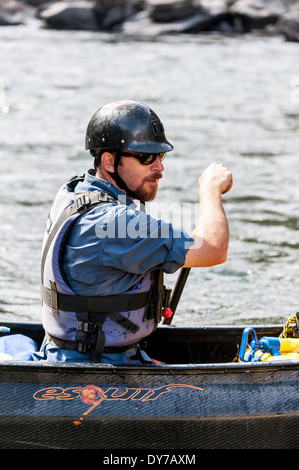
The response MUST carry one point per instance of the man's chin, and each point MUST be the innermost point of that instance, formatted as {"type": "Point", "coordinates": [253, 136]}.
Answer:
{"type": "Point", "coordinates": [145, 195]}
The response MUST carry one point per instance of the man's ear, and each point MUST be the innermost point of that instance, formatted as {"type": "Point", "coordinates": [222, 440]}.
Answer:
{"type": "Point", "coordinates": [107, 160]}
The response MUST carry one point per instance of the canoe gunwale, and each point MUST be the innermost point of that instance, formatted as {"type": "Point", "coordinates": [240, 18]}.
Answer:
{"type": "Point", "coordinates": [169, 369]}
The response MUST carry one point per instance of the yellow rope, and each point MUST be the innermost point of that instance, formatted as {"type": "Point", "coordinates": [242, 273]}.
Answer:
{"type": "Point", "coordinates": [284, 332]}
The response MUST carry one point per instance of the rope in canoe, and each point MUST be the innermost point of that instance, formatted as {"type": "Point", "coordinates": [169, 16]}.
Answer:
{"type": "Point", "coordinates": [284, 333]}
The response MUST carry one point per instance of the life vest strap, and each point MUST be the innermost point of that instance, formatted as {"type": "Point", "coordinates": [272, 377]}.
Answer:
{"type": "Point", "coordinates": [108, 304]}
{"type": "Point", "coordinates": [83, 347]}
{"type": "Point", "coordinates": [159, 297]}
{"type": "Point", "coordinates": [84, 203]}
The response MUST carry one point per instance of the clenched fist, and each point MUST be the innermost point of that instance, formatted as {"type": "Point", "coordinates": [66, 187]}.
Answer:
{"type": "Point", "coordinates": [216, 177]}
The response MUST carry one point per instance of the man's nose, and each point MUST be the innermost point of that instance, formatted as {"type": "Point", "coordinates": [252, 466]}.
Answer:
{"type": "Point", "coordinates": [157, 165]}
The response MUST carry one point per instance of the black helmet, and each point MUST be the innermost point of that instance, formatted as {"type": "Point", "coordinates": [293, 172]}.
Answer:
{"type": "Point", "coordinates": [127, 125]}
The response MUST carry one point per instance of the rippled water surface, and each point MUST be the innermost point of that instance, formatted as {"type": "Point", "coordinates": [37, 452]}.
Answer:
{"type": "Point", "coordinates": [229, 99]}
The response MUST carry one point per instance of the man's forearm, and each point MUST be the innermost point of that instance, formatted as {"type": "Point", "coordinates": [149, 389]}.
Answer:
{"type": "Point", "coordinates": [212, 232]}
{"type": "Point", "coordinates": [211, 235]}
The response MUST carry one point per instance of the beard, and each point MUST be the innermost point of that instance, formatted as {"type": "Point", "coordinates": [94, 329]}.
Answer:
{"type": "Point", "coordinates": [146, 195]}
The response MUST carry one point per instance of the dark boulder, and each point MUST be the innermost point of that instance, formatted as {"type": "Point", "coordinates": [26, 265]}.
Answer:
{"type": "Point", "coordinates": [90, 15]}
{"type": "Point", "coordinates": [36, 3]}
{"type": "Point", "coordinates": [171, 10]}
{"type": "Point", "coordinates": [254, 14]}
{"type": "Point", "coordinates": [288, 25]}
{"type": "Point", "coordinates": [178, 16]}
{"type": "Point", "coordinates": [77, 15]}
{"type": "Point", "coordinates": [257, 14]}
{"type": "Point", "coordinates": [111, 13]}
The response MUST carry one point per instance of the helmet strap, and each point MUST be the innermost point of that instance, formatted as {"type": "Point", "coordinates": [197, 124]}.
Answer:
{"type": "Point", "coordinates": [118, 180]}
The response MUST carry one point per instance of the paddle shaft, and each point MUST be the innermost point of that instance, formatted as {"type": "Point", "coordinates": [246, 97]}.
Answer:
{"type": "Point", "coordinates": [177, 292]}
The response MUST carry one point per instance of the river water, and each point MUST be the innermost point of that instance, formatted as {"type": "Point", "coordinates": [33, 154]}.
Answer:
{"type": "Point", "coordinates": [233, 100]}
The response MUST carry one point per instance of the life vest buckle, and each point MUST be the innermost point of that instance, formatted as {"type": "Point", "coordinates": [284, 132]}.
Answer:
{"type": "Point", "coordinates": [87, 327]}
{"type": "Point", "coordinates": [83, 347]}
{"type": "Point", "coordinates": [82, 201]}
{"type": "Point", "coordinates": [54, 301]}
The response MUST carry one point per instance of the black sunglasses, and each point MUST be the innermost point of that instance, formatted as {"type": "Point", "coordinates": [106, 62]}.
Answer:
{"type": "Point", "coordinates": [145, 158]}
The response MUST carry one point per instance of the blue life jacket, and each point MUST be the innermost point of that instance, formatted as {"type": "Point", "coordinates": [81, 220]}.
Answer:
{"type": "Point", "coordinates": [77, 322]}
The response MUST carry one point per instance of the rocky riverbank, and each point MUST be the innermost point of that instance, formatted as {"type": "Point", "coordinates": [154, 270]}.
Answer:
{"type": "Point", "coordinates": [155, 17]}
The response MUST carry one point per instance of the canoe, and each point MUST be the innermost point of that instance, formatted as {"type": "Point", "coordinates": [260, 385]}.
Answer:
{"type": "Point", "coordinates": [201, 398]}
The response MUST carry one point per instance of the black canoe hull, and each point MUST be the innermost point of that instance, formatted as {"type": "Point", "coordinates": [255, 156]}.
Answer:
{"type": "Point", "coordinates": [201, 400]}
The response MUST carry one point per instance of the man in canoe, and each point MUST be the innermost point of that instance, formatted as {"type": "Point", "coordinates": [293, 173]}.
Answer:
{"type": "Point", "coordinates": [103, 259]}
